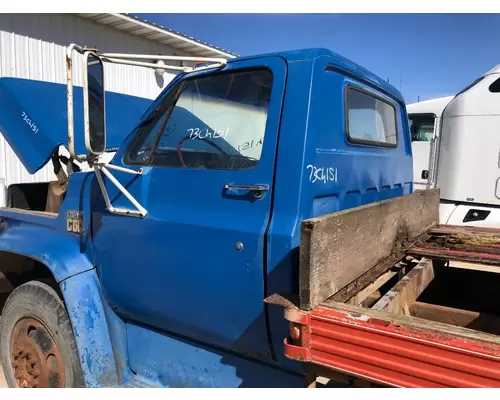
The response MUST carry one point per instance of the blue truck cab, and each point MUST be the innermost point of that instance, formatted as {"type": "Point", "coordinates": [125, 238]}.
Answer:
{"type": "Point", "coordinates": [225, 165]}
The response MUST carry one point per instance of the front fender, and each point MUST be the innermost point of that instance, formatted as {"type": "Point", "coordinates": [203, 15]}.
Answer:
{"type": "Point", "coordinates": [99, 333]}
{"type": "Point", "coordinates": [34, 236]}
{"type": "Point", "coordinates": [44, 237]}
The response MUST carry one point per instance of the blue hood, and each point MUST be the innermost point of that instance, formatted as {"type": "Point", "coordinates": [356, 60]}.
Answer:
{"type": "Point", "coordinates": [34, 121]}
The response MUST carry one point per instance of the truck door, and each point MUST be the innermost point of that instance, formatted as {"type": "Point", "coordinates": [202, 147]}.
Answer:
{"type": "Point", "coordinates": [422, 128]}
{"type": "Point", "coordinates": [194, 265]}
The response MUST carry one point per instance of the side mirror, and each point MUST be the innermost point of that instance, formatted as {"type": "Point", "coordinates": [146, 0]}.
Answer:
{"type": "Point", "coordinates": [93, 103]}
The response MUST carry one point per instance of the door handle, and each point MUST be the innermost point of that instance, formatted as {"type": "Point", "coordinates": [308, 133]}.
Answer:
{"type": "Point", "coordinates": [257, 190]}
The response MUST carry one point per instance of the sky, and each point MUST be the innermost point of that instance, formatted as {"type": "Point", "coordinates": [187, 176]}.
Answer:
{"type": "Point", "coordinates": [438, 54]}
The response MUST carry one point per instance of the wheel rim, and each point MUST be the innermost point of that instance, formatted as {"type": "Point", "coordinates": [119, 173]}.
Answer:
{"type": "Point", "coordinates": [35, 356]}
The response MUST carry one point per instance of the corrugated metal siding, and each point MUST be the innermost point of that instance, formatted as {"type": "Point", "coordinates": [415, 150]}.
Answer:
{"type": "Point", "coordinates": [139, 27]}
{"type": "Point", "coordinates": [32, 47]}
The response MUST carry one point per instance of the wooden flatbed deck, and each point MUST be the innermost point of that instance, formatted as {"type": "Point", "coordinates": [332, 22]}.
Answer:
{"type": "Point", "coordinates": [405, 302]}
{"type": "Point", "coordinates": [391, 338]}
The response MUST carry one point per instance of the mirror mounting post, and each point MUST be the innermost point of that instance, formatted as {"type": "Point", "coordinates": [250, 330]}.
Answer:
{"type": "Point", "coordinates": [69, 97]}
{"type": "Point", "coordinates": [95, 126]}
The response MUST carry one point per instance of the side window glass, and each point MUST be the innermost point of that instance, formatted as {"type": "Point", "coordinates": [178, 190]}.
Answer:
{"type": "Point", "coordinates": [143, 146]}
{"type": "Point", "coordinates": [421, 129]}
{"type": "Point", "coordinates": [370, 119]}
{"type": "Point", "coordinates": [423, 133]}
{"type": "Point", "coordinates": [217, 122]}
{"type": "Point", "coordinates": [495, 86]}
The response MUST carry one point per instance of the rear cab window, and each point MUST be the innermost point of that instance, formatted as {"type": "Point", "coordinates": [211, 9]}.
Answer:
{"type": "Point", "coordinates": [370, 119]}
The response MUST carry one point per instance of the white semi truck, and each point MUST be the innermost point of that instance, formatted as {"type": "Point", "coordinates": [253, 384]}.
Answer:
{"type": "Point", "coordinates": [456, 147]}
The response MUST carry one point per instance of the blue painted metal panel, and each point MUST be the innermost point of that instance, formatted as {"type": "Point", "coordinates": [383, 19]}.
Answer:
{"type": "Point", "coordinates": [33, 118]}
{"type": "Point", "coordinates": [312, 133]}
{"type": "Point", "coordinates": [53, 248]}
{"type": "Point", "coordinates": [341, 63]}
{"type": "Point", "coordinates": [171, 361]}
{"type": "Point", "coordinates": [100, 334]}
{"type": "Point", "coordinates": [316, 139]}
{"type": "Point", "coordinates": [45, 237]}
{"type": "Point", "coordinates": [189, 278]}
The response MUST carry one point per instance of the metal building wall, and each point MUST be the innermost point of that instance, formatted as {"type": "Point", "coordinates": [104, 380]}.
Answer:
{"type": "Point", "coordinates": [32, 46]}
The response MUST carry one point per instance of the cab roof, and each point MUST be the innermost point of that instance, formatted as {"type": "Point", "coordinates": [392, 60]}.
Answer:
{"type": "Point", "coordinates": [340, 62]}
{"type": "Point", "coordinates": [433, 106]}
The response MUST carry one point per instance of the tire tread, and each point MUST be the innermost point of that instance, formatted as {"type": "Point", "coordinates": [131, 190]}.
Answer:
{"type": "Point", "coordinates": [45, 294]}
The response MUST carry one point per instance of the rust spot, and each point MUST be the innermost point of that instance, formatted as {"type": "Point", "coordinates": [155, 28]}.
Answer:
{"type": "Point", "coordinates": [68, 62]}
{"type": "Point", "coordinates": [457, 243]}
{"type": "Point", "coordinates": [35, 356]}
{"type": "Point", "coordinates": [377, 321]}
{"type": "Point", "coordinates": [402, 239]}
{"type": "Point", "coordinates": [282, 300]}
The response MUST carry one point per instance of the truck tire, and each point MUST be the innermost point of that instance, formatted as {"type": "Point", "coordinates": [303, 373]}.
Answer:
{"type": "Point", "coordinates": [37, 344]}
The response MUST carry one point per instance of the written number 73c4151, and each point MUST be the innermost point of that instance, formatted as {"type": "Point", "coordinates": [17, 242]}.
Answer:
{"type": "Point", "coordinates": [323, 175]}
{"type": "Point", "coordinates": [30, 123]}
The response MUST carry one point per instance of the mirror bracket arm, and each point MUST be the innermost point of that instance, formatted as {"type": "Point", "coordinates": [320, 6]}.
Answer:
{"type": "Point", "coordinates": [121, 169]}
{"type": "Point", "coordinates": [139, 212]}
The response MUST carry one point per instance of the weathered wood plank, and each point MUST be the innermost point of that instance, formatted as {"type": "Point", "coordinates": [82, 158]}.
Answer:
{"type": "Point", "coordinates": [474, 267]}
{"type": "Point", "coordinates": [338, 248]}
{"type": "Point", "coordinates": [396, 260]}
{"type": "Point", "coordinates": [455, 316]}
{"type": "Point", "coordinates": [445, 254]}
{"type": "Point", "coordinates": [361, 296]}
{"type": "Point", "coordinates": [471, 231]}
{"type": "Point", "coordinates": [406, 291]}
